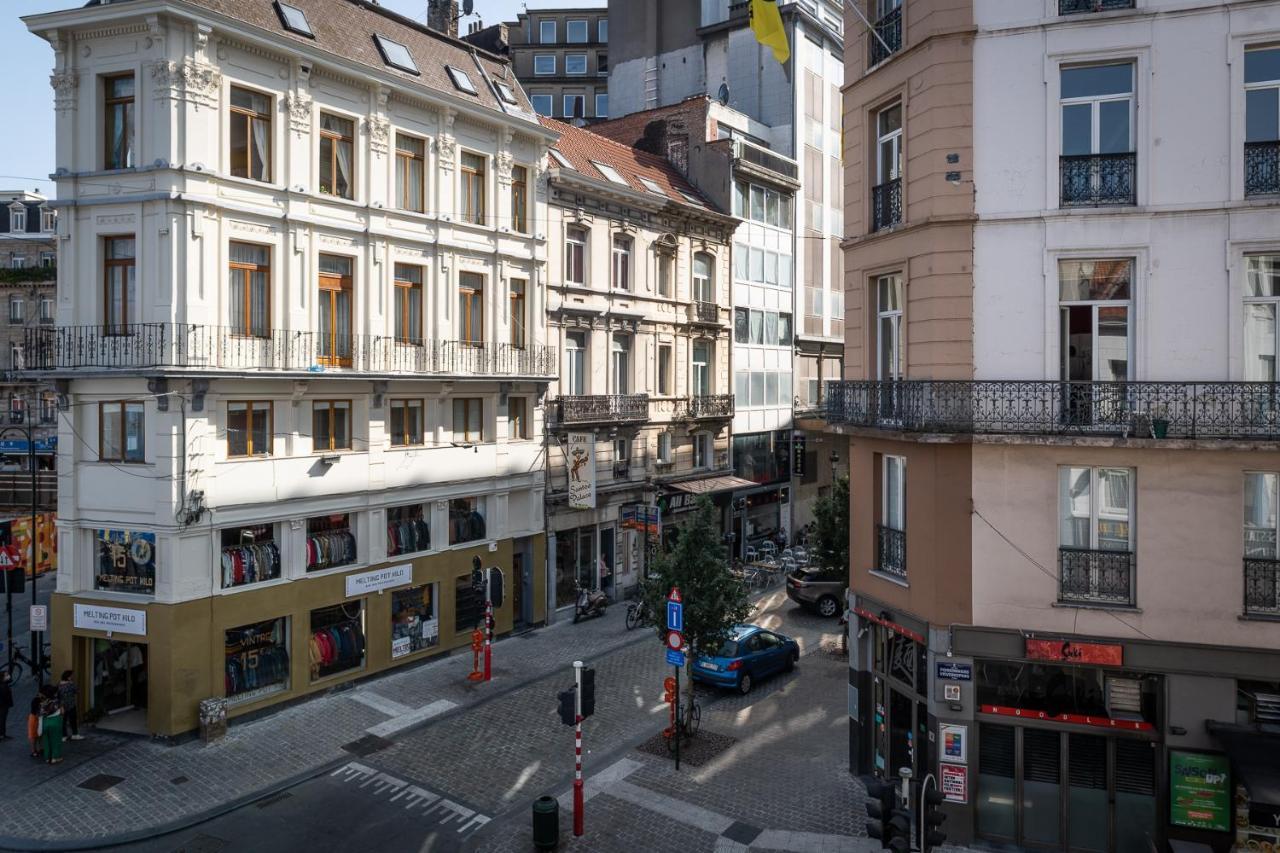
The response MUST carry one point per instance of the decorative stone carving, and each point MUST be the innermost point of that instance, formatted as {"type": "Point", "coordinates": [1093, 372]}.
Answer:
{"type": "Point", "coordinates": [447, 147]}
{"type": "Point", "coordinates": [379, 131]}
{"type": "Point", "coordinates": [64, 86]}
{"type": "Point", "coordinates": [299, 106]}
{"type": "Point", "coordinates": [195, 82]}
{"type": "Point", "coordinates": [504, 163]}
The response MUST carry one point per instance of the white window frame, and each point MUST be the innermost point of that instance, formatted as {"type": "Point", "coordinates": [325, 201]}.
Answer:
{"type": "Point", "coordinates": [574, 57]}
{"type": "Point", "coordinates": [1259, 86]}
{"type": "Point", "coordinates": [575, 237]}
{"type": "Point", "coordinates": [621, 266]}
{"type": "Point", "coordinates": [665, 371]}
{"type": "Point", "coordinates": [568, 31]}
{"type": "Point", "coordinates": [1095, 102]}
{"type": "Point", "coordinates": [702, 455]}
{"type": "Point", "coordinates": [1271, 485]}
{"type": "Point", "coordinates": [17, 218]}
{"type": "Point", "coordinates": [602, 31]}
{"type": "Point", "coordinates": [664, 448]}
{"type": "Point", "coordinates": [602, 113]}
{"type": "Point", "coordinates": [540, 59]}
{"type": "Point", "coordinates": [48, 220]}
{"type": "Point", "coordinates": [1097, 511]}
{"type": "Point", "coordinates": [550, 101]}
{"type": "Point", "coordinates": [704, 284]}
{"type": "Point", "coordinates": [620, 347]}
{"type": "Point", "coordinates": [1096, 305]}
{"type": "Point", "coordinates": [897, 512]}
{"type": "Point", "coordinates": [568, 102]}
{"type": "Point", "coordinates": [889, 319]}
{"type": "Point", "coordinates": [1272, 302]}
{"type": "Point", "coordinates": [542, 31]}
{"type": "Point", "coordinates": [575, 358]}
{"type": "Point", "coordinates": [700, 370]}
{"type": "Point", "coordinates": [17, 311]}
{"type": "Point", "coordinates": [892, 138]}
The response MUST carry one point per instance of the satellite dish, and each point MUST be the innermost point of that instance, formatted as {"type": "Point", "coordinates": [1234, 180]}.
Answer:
{"type": "Point", "coordinates": [468, 6]}
{"type": "Point", "coordinates": [723, 94]}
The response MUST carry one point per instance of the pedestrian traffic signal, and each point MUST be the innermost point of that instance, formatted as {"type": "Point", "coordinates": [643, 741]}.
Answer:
{"type": "Point", "coordinates": [933, 820]}
{"type": "Point", "coordinates": [588, 691]}
{"type": "Point", "coordinates": [495, 586]}
{"type": "Point", "coordinates": [568, 709]}
{"type": "Point", "coordinates": [477, 574]}
{"type": "Point", "coordinates": [885, 821]}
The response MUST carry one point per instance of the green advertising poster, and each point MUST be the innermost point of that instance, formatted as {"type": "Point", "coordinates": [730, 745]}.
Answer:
{"type": "Point", "coordinates": [1199, 790]}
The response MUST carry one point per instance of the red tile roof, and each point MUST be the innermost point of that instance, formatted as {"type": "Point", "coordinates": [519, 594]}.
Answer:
{"type": "Point", "coordinates": [580, 147]}
{"type": "Point", "coordinates": [346, 28]}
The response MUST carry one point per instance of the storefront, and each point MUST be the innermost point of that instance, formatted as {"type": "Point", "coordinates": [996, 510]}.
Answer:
{"type": "Point", "coordinates": [678, 500]}
{"type": "Point", "coordinates": [263, 640]}
{"type": "Point", "coordinates": [585, 556]}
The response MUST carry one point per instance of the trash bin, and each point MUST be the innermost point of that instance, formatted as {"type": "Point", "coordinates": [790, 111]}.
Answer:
{"type": "Point", "coordinates": [546, 823]}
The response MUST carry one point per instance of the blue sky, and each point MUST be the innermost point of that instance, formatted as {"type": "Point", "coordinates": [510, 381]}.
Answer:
{"type": "Point", "coordinates": [26, 158]}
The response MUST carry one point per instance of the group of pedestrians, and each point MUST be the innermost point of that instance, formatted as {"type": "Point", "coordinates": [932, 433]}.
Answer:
{"type": "Point", "coordinates": [53, 718]}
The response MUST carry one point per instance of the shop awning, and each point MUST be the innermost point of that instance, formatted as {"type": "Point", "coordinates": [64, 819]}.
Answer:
{"type": "Point", "coordinates": [707, 485]}
{"type": "Point", "coordinates": [1255, 758]}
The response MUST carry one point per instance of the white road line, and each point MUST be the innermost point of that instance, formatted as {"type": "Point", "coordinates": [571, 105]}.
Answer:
{"type": "Point", "coordinates": [677, 810]}
{"type": "Point", "coordinates": [390, 707]}
{"type": "Point", "coordinates": [811, 842]}
{"type": "Point", "coordinates": [601, 781]}
{"type": "Point", "coordinates": [410, 717]}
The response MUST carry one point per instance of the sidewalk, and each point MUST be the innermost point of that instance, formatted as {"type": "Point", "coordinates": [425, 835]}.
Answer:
{"type": "Point", "coordinates": [159, 788]}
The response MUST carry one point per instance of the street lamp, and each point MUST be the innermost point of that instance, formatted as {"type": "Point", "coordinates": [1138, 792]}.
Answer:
{"type": "Point", "coordinates": [835, 466]}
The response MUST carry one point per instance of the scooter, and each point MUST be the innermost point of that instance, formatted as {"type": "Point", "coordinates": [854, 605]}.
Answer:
{"type": "Point", "coordinates": [591, 602]}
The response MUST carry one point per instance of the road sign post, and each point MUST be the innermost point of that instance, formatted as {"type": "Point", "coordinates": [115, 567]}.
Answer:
{"type": "Point", "coordinates": [676, 656]}
{"type": "Point", "coordinates": [488, 627]}
{"type": "Point", "coordinates": [577, 749]}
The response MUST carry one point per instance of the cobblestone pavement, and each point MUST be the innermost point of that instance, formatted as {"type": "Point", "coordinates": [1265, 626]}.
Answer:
{"type": "Point", "coordinates": [468, 748]}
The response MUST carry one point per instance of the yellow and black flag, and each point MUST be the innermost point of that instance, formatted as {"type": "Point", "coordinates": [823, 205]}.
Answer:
{"type": "Point", "coordinates": [766, 23]}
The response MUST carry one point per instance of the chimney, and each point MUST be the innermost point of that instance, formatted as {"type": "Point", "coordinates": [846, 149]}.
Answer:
{"type": "Point", "coordinates": [442, 16]}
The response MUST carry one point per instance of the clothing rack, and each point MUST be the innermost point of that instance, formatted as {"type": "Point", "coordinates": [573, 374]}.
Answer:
{"type": "Point", "coordinates": [407, 530]}
{"type": "Point", "coordinates": [337, 640]}
{"type": "Point", "coordinates": [411, 610]}
{"type": "Point", "coordinates": [330, 543]}
{"type": "Point", "coordinates": [466, 524]}
{"type": "Point", "coordinates": [256, 657]}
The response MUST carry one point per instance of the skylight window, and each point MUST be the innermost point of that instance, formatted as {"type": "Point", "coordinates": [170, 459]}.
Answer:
{"type": "Point", "coordinates": [610, 173]}
{"type": "Point", "coordinates": [506, 92]}
{"type": "Point", "coordinates": [653, 187]}
{"type": "Point", "coordinates": [691, 199]}
{"type": "Point", "coordinates": [461, 81]}
{"type": "Point", "coordinates": [395, 54]}
{"type": "Point", "coordinates": [293, 19]}
{"type": "Point", "coordinates": [560, 158]}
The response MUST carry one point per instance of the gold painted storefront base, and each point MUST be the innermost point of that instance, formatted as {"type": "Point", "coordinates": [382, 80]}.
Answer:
{"type": "Point", "coordinates": [183, 656]}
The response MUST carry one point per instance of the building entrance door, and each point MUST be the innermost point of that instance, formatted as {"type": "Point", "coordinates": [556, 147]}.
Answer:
{"type": "Point", "coordinates": [1070, 791]}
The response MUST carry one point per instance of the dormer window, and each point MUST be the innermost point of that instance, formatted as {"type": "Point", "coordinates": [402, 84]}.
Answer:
{"type": "Point", "coordinates": [562, 160]}
{"type": "Point", "coordinates": [610, 173]}
{"type": "Point", "coordinates": [461, 81]}
{"type": "Point", "coordinates": [294, 19]}
{"type": "Point", "coordinates": [48, 220]}
{"type": "Point", "coordinates": [652, 187]}
{"type": "Point", "coordinates": [396, 55]}
{"type": "Point", "coordinates": [506, 93]}
{"type": "Point", "coordinates": [17, 218]}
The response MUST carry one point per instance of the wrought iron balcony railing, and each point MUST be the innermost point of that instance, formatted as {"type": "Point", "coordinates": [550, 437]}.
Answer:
{"type": "Point", "coordinates": [198, 348]}
{"type": "Point", "coordinates": [891, 551]}
{"type": "Point", "coordinates": [1261, 587]}
{"type": "Point", "coordinates": [889, 29]}
{"type": "Point", "coordinates": [1079, 7]}
{"type": "Point", "coordinates": [708, 406]}
{"type": "Point", "coordinates": [886, 205]}
{"type": "Point", "coordinates": [1186, 410]}
{"type": "Point", "coordinates": [704, 312]}
{"type": "Point", "coordinates": [1095, 577]}
{"type": "Point", "coordinates": [621, 470]}
{"type": "Point", "coordinates": [1095, 180]}
{"type": "Point", "coordinates": [600, 409]}
{"type": "Point", "coordinates": [1261, 168]}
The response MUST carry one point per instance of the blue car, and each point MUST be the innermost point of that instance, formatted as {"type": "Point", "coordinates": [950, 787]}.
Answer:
{"type": "Point", "coordinates": [750, 654]}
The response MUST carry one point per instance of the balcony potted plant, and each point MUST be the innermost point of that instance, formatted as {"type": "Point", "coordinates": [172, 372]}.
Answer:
{"type": "Point", "coordinates": [1159, 420]}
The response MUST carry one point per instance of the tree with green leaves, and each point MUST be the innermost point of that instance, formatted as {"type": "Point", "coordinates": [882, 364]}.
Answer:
{"type": "Point", "coordinates": [830, 542]}
{"type": "Point", "coordinates": [714, 600]}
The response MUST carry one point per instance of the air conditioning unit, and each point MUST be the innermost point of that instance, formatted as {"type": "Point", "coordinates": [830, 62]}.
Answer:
{"type": "Point", "coordinates": [1124, 698]}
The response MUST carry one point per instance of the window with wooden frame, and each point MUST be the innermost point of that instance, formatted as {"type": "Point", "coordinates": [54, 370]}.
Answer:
{"type": "Point", "coordinates": [575, 255]}
{"type": "Point", "coordinates": [471, 308]}
{"type": "Point", "coordinates": [119, 283]}
{"type": "Point", "coordinates": [118, 116]}
{"type": "Point", "coordinates": [517, 418]}
{"type": "Point", "coordinates": [337, 156]}
{"type": "Point", "coordinates": [472, 206]}
{"type": "Point", "coordinates": [516, 300]}
{"type": "Point", "coordinates": [330, 425]}
{"type": "Point", "coordinates": [520, 199]}
{"type": "Point", "coordinates": [335, 305]}
{"type": "Point", "coordinates": [121, 432]}
{"type": "Point", "coordinates": [249, 428]}
{"type": "Point", "coordinates": [468, 420]}
{"type": "Point", "coordinates": [408, 305]}
{"type": "Point", "coordinates": [250, 134]}
{"type": "Point", "coordinates": [249, 273]}
{"type": "Point", "coordinates": [407, 423]}
{"type": "Point", "coordinates": [411, 172]}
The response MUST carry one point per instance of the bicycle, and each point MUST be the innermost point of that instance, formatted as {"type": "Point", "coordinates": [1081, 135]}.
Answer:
{"type": "Point", "coordinates": [638, 614]}
{"type": "Point", "coordinates": [23, 665]}
{"type": "Point", "coordinates": [687, 726]}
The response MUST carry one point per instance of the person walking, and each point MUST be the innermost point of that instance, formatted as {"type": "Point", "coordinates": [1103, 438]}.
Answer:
{"type": "Point", "coordinates": [33, 724]}
{"type": "Point", "coordinates": [68, 695]}
{"type": "Point", "coordinates": [51, 729]}
{"type": "Point", "coordinates": [6, 702]}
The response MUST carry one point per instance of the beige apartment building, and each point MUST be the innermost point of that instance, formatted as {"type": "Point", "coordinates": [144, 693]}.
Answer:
{"type": "Point", "coordinates": [638, 266]}
{"type": "Point", "coordinates": [561, 57]}
{"type": "Point", "coordinates": [1060, 356]}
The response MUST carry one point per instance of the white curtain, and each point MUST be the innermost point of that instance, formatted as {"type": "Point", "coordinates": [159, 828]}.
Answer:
{"type": "Point", "coordinates": [261, 143]}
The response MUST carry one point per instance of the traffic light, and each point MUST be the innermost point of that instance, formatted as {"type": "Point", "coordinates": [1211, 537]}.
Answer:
{"type": "Point", "coordinates": [885, 821]}
{"type": "Point", "coordinates": [588, 691]}
{"type": "Point", "coordinates": [495, 586]}
{"type": "Point", "coordinates": [933, 820]}
{"type": "Point", "coordinates": [477, 574]}
{"type": "Point", "coordinates": [568, 711]}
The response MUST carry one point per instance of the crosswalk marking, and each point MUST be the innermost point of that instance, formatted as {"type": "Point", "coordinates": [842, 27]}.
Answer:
{"type": "Point", "coordinates": [412, 797]}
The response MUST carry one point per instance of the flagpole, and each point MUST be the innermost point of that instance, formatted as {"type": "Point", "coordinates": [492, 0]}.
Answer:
{"type": "Point", "coordinates": [870, 28]}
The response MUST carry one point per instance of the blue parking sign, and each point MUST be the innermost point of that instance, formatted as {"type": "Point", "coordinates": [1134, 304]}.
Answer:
{"type": "Point", "coordinates": [675, 616]}
{"type": "Point", "coordinates": [675, 658]}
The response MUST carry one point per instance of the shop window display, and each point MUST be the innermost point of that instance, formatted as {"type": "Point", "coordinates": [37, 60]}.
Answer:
{"type": "Point", "coordinates": [257, 659]}
{"type": "Point", "coordinates": [249, 555]}
{"type": "Point", "coordinates": [126, 561]}
{"type": "Point", "coordinates": [415, 622]}
{"type": "Point", "coordinates": [330, 542]}
{"type": "Point", "coordinates": [407, 530]}
{"type": "Point", "coordinates": [468, 605]}
{"type": "Point", "coordinates": [466, 520]}
{"type": "Point", "coordinates": [337, 639]}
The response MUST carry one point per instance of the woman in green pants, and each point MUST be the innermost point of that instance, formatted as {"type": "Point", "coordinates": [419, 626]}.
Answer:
{"type": "Point", "coordinates": [51, 731]}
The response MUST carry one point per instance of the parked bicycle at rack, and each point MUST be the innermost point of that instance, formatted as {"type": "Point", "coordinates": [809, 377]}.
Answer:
{"type": "Point", "coordinates": [23, 665]}
{"type": "Point", "coordinates": [638, 614]}
{"type": "Point", "coordinates": [687, 726]}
